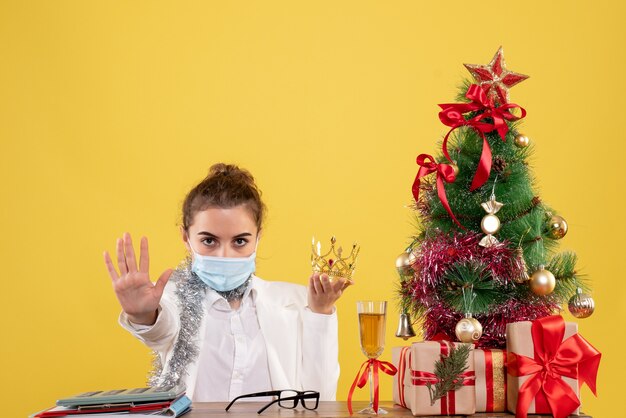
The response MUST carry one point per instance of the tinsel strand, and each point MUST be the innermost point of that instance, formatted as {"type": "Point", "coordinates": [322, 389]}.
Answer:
{"type": "Point", "coordinates": [190, 292]}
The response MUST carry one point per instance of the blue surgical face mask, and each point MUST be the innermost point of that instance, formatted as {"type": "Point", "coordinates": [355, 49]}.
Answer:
{"type": "Point", "coordinates": [223, 273]}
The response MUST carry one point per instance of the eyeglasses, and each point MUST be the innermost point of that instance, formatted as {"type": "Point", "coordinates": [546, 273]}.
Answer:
{"type": "Point", "coordinates": [286, 399]}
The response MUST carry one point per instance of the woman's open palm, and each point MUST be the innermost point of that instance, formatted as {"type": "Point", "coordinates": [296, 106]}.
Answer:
{"type": "Point", "coordinates": [138, 296]}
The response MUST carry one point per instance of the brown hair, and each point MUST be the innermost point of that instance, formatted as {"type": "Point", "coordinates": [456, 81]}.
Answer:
{"type": "Point", "coordinates": [225, 186]}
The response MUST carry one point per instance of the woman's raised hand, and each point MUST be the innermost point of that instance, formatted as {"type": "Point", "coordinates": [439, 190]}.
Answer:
{"type": "Point", "coordinates": [324, 292]}
{"type": "Point", "coordinates": [138, 296]}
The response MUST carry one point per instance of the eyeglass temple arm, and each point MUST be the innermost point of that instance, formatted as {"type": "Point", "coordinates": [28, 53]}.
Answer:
{"type": "Point", "coordinates": [253, 395]}
{"type": "Point", "coordinates": [260, 411]}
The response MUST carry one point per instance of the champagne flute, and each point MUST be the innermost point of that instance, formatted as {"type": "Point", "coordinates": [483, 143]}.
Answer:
{"type": "Point", "coordinates": [372, 315]}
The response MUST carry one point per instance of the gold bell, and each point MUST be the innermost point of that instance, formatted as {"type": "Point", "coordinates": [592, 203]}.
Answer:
{"type": "Point", "coordinates": [405, 329]}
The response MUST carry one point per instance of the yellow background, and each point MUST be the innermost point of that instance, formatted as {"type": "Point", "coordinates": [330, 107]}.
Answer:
{"type": "Point", "coordinates": [110, 111]}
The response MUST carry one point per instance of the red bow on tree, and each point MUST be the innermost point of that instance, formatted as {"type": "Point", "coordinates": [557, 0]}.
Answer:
{"type": "Point", "coordinates": [574, 358]}
{"type": "Point", "coordinates": [452, 115]}
{"type": "Point", "coordinates": [445, 172]}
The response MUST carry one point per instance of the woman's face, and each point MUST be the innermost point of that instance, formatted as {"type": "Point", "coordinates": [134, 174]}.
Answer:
{"type": "Point", "coordinates": [222, 232]}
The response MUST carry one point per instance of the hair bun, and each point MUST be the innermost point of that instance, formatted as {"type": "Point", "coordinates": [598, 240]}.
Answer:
{"type": "Point", "coordinates": [225, 186]}
{"type": "Point", "coordinates": [221, 168]}
{"type": "Point", "coordinates": [232, 171]}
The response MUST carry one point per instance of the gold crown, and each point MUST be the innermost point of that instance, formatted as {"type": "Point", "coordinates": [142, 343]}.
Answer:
{"type": "Point", "coordinates": [332, 263]}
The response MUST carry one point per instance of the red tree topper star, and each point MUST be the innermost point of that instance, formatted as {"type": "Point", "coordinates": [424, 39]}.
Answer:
{"type": "Point", "coordinates": [495, 79]}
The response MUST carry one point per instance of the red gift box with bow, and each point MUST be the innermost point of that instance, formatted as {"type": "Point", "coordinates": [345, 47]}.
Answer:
{"type": "Point", "coordinates": [547, 363]}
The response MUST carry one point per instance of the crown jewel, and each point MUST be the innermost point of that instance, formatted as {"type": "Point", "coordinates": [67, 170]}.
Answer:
{"type": "Point", "coordinates": [332, 262]}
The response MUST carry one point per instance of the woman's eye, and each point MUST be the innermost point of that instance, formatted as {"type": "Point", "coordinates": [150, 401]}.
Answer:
{"type": "Point", "coordinates": [240, 242]}
{"type": "Point", "coordinates": [208, 241]}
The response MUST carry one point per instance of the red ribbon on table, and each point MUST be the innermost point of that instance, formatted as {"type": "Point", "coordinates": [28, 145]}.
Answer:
{"type": "Point", "coordinates": [575, 358]}
{"type": "Point", "coordinates": [444, 172]}
{"type": "Point", "coordinates": [448, 402]}
{"type": "Point", "coordinates": [452, 115]}
{"type": "Point", "coordinates": [362, 375]}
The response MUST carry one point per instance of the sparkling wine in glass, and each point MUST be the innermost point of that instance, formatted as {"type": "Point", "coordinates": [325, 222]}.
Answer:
{"type": "Point", "coordinates": [372, 316]}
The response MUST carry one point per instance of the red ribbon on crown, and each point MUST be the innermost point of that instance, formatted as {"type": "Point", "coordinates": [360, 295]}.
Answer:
{"type": "Point", "coordinates": [362, 375]}
{"type": "Point", "coordinates": [574, 358]}
{"type": "Point", "coordinates": [452, 115]}
{"type": "Point", "coordinates": [445, 172]}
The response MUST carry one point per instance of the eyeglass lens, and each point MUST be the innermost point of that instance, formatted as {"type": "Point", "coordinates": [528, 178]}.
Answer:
{"type": "Point", "coordinates": [288, 399]}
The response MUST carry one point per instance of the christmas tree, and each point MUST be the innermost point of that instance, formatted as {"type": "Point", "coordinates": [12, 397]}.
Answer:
{"type": "Point", "coordinates": [485, 253]}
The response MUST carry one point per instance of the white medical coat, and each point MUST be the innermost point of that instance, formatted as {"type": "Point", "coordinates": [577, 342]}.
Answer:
{"type": "Point", "coordinates": [302, 346]}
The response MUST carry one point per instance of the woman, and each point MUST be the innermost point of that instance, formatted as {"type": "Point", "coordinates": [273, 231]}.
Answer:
{"type": "Point", "coordinates": [217, 327]}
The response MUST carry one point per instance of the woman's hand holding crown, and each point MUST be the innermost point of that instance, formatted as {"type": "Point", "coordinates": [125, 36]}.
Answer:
{"type": "Point", "coordinates": [324, 292]}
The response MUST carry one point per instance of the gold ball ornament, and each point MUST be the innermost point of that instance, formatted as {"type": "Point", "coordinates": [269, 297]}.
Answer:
{"type": "Point", "coordinates": [542, 282]}
{"type": "Point", "coordinates": [468, 330]}
{"type": "Point", "coordinates": [557, 227]}
{"type": "Point", "coordinates": [581, 305]}
{"type": "Point", "coordinates": [521, 141]}
{"type": "Point", "coordinates": [490, 224]}
{"type": "Point", "coordinates": [404, 263]}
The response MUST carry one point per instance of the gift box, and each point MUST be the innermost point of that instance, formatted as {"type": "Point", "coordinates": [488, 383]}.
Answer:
{"type": "Point", "coordinates": [547, 362]}
{"type": "Point", "coordinates": [490, 369]}
{"type": "Point", "coordinates": [411, 384]}
{"type": "Point", "coordinates": [401, 359]}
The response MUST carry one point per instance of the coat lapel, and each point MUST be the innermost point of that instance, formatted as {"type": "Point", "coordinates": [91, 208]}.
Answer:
{"type": "Point", "coordinates": [279, 323]}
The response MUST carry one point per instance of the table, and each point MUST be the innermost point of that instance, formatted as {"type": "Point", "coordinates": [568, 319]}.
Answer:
{"type": "Point", "coordinates": [326, 409]}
